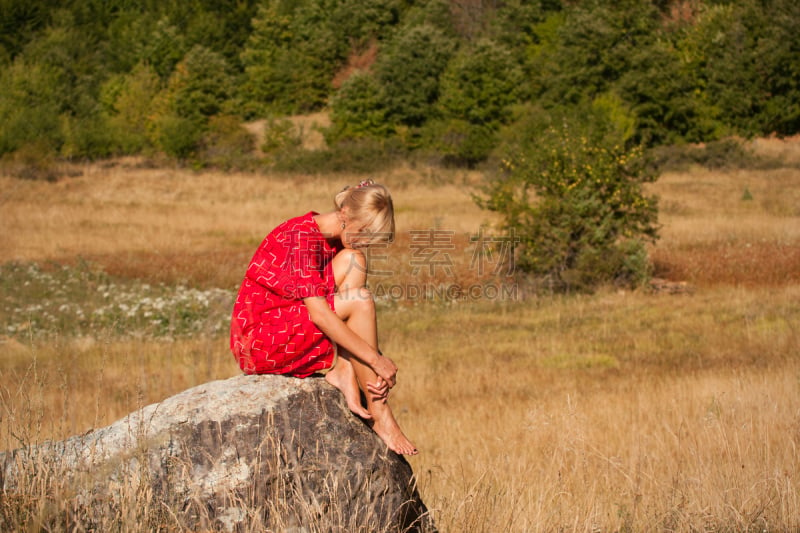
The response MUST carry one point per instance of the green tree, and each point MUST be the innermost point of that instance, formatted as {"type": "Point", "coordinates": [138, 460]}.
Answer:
{"type": "Point", "coordinates": [358, 22]}
{"type": "Point", "coordinates": [128, 100]}
{"type": "Point", "coordinates": [744, 58]}
{"type": "Point", "coordinates": [477, 91]}
{"type": "Point", "coordinates": [50, 93]}
{"type": "Point", "coordinates": [20, 20]}
{"type": "Point", "coordinates": [290, 57]}
{"type": "Point", "coordinates": [198, 89]}
{"type": "Point", "coordinates": [136, 38]}
{"type": "Point", "coordinates": [358, 110]}
{"type": "Point", "coordinates": [669, 105]}
{"type": "Point", "coordinates": [29, 107]}
{"type": "Point", "coordinates": [593, 48]}
{"type": "Point", "coordinates": [409, 70]}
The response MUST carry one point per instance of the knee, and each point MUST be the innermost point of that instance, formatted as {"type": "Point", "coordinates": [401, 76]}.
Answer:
{"type": "Point", "coordinates": [350, 269]}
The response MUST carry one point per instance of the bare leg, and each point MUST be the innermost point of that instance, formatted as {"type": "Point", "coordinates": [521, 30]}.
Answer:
{"type": "Point", "coordinates": [343, 377]}
{"type": "Point", "coordinates": [382, 421]}
{"type": "Point", "coordinates": [354, 305]}
{"type": "Point", "coordinates": [357, 309]}
{"type": "Point", "coordinates": [349, 269]}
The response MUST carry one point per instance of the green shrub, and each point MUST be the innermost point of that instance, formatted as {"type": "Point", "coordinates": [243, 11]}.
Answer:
{"type": "Point", "coordinates": [226, 144]}
{"type": "Point", "coordinates": [34, 160]}
{"type": "Point", "coordinates": [723, 154]}
{"type": "Point", "coordinates": [363, 156]}
{"type": "Point", "coordinates": [178, 136]}
{"type": "Point", "coordinates": [280, 135]}
{"type": "Point", "coordinates": [571, 192]}
{"type": "Point", "coordinates": [461, 143]}
{"type": "Point", "coordinates": [86, 138]}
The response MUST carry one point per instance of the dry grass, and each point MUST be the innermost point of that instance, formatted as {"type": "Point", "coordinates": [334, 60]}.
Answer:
{"type": "Point", "coordinates": [618, 411]}
{"type": "Point", "coordinates": [734, 228]}
{"type": "Point", "coordinates": [177, 225]}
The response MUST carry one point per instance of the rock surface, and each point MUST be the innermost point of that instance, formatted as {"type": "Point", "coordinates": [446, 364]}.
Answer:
{"type": "Point", "coordinates": [270, 451]}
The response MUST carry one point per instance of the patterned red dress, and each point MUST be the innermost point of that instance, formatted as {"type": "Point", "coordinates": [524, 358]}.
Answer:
{"type": "Point", "coordinates": [271, 330]}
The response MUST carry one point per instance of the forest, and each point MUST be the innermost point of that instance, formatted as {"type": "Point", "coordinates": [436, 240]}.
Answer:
{"type": "Point", "coordinates": [452, 79]}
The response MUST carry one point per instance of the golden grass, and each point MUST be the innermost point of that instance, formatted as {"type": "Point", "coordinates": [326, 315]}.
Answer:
{"type": "Point", "coordinates": [178, 225]}
{"type": "Point", "coordinates": [713, 234]}
{"type": "Point", "coordinates": [68, 386]}
{"type": "Point", "coordinates": [620, 411]}
{"type": "Point", "coordinates": [615, 412]}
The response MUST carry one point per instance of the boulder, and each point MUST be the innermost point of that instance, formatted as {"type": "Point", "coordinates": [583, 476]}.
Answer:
{"type": "Point", "coordinates": [245, 453]}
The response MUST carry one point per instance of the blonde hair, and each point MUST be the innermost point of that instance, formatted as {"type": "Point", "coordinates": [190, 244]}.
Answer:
{"type": "Point", "coordinates": [369, 205]}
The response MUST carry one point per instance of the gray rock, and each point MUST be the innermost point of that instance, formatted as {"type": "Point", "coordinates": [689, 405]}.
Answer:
{"type": "Point", "coordinates": [244, 453]}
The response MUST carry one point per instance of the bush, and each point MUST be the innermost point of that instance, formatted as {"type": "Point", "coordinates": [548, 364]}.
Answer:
{"type": "Point", "coordinates": [226, 144]}
{"type": "Point", "coordinates": [723, 154]}
{"type": "Point", "coordinates": [571, 191]}
{"type": "Point", "coordinates": [178, 136]}
{"type": "Point", "coordinates": [461, 143]}
{"type": "Point", "coordinates": [86, 138]}
{"type": "Point", "coordinates": [32, 161]}
{"type": "Point", "coordinates": [280, 135]}
{"type": "Point", "coordinates": [363, 156]}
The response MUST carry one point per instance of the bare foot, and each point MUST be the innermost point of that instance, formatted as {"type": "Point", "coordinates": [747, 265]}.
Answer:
{"type": "Point", "coordinates": [345, 381]}
{"type": "Point", "coordinates": [385, 425]}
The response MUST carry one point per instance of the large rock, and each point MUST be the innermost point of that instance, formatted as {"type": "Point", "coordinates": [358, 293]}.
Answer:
{"type": "Point", "coordinates": [244, 453]}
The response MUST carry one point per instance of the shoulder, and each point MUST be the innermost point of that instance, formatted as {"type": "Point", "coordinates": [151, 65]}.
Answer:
{"type": "Point", "coordinates": [350, 256]}
{"type": "Point", "coordinates": [294, 229]}
{"type": "Point", "coordinates": [302, 223]}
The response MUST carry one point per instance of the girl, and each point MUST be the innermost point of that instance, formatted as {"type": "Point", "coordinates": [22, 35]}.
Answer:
{"type": "Point", "coordinates": [303, 306]}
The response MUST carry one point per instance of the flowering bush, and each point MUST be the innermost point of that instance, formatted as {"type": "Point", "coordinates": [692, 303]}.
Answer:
{"type": "Point", "coordinates": [571, 190]}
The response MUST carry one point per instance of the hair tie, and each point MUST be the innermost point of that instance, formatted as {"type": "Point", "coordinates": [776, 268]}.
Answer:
{"type": "Point", "coordinates": [362, 183]}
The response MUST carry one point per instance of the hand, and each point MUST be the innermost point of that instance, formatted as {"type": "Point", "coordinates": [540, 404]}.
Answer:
{"type": "Point", "coordinates": [386, 370]}
{"type": "Point", "coordinates": [379, 390]}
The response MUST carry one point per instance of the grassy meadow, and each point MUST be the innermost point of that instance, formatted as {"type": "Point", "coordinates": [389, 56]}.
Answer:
{"type": "Point", "coordinates": [618, 411]}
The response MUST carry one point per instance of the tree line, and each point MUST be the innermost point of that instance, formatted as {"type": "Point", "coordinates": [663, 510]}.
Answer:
{"type": "Point", "coordinates": [97, 78]}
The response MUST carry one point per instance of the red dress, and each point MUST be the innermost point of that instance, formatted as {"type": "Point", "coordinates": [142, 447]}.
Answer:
{"type": "Point", "coordinates": [271, 330]}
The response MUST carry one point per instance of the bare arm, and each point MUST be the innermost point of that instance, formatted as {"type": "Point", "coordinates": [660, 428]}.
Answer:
{"type": "Point", "coordinates": [335, 328]}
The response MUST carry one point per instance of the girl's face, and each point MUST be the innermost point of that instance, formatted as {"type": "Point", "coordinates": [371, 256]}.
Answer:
{"type": "Point", "coordinates": [352, 229]}
{"type": "Point", "coordinates": [351, 234]}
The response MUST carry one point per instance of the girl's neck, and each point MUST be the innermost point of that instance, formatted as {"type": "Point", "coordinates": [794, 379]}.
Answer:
{"type": "Point", "coordinates": [329, 224]}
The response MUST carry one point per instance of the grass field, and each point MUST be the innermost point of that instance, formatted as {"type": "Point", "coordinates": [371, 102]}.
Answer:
{"type": "Point", "coordinates": [617, 411]}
